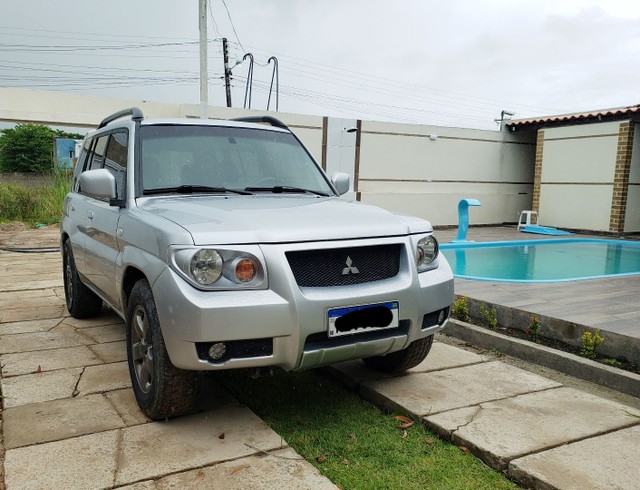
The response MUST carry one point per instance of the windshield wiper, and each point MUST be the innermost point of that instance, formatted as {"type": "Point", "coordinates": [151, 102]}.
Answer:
{"type": "Point", "coordinates": [190, 189]}
{"type": "Point", "coordinates": [279, 189]}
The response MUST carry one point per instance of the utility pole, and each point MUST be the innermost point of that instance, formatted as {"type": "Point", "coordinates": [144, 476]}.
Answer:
{"type": "Point", "coordinates": [204, 71]}
{"type": "Point", "coordinates": [227, 70]}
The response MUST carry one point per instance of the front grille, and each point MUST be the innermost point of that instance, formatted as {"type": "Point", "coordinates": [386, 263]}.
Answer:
{"type": "Point", "coordinates": [344, 266]}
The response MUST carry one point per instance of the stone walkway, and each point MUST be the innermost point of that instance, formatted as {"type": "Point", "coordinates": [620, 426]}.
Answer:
{"type": "Point", "coordinates": [70, 420]}
{"type": "Point", "coordinates": [542, 434]}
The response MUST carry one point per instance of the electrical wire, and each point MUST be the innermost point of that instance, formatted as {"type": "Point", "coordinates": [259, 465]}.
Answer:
{"type": "Point", "coordinates": [232, 26]}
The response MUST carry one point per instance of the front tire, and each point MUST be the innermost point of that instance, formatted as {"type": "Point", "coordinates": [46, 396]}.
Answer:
{"type": "Point", "coordinates": [161, 390]}
{"type": "Point", "coordinates": [81, 301]}
{"type": "Point", "coordinates": [398, 362]}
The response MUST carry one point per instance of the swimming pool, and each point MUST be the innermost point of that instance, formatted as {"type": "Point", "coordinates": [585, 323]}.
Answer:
{"type": "Point", "coordinates": [543, 260]}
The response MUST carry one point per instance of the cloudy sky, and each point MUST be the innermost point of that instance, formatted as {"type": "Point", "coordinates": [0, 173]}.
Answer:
{"type": "Point", "coordinates": [455, 63]}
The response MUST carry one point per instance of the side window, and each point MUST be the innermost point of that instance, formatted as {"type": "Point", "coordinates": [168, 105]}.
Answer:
{"type": "Point", "coordinates": [116, 159]}
{"type": "Point", "coordinates": [97, 157]}
{"type": "Point", "coordinates": [81, 164]}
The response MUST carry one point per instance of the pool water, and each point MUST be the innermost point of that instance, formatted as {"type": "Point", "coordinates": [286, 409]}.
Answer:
{"type": "Point", "coordinates": [543, 260]}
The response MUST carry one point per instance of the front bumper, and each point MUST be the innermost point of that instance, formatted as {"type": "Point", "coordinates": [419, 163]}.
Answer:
{"type": "Point", "coordinates": [293, 320]}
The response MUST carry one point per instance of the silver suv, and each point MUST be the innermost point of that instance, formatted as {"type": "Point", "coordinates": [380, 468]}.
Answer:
{"type": "Point", "coordinates": [223, 245]}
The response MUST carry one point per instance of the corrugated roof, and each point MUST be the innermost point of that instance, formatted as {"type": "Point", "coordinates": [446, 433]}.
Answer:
{"type": "Point", "coordinates": [609, 114]}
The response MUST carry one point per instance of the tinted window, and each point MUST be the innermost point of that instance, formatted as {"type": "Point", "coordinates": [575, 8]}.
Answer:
{"type": "Point", "coordinates": [97, 157]}
{"type": "Point", "coordinates": [116, 159]}
{"type": "Point", "coordinates": [234, 158]}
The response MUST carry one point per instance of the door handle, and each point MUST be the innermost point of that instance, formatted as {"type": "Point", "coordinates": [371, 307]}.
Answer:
{"type": "Point", "coordinates": [90, 214]}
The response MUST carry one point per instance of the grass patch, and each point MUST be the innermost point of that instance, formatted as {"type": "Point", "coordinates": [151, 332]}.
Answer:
{"type": "Point", "coordinates": [31, 205]}
{"type": "Point", "coordinates": [352, 442]}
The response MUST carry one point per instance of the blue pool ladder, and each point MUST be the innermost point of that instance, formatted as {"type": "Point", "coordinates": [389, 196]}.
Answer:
{"type": "Point", "coordinates": [463, 218]}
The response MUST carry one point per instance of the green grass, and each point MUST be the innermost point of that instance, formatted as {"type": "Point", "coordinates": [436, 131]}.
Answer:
{"type": "Point", "coordinates": [352, 442]}
{"type": "Point", "coordinates": [31, 205]}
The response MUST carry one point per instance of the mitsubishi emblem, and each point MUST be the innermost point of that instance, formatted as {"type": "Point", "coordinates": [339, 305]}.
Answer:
{"type": "Point", "coordinates": [349, 269]}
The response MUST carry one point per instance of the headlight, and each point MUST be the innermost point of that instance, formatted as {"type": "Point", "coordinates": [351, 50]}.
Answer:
{"type": "Point", "coordinates": [220, 268]}
{"type": "Point", "coordinates": [426, 253]}
{"type": "Point", "coordinates": [206, 266]}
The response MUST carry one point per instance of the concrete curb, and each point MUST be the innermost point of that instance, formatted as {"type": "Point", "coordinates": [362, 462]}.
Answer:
{"type": "Point", "coordinates": [564, 362]}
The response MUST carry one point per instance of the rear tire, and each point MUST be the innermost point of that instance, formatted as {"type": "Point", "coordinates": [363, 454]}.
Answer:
{"type": "Point", "coordinates": [81, 301]}
{"type": "Point", "coordinates": [398, 362]}
{"type": "Point", "coordinates": [161, 390]}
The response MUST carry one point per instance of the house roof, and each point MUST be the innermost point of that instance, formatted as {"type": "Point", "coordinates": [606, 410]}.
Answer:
{"type": "Point", "coordinates": [614, 114]}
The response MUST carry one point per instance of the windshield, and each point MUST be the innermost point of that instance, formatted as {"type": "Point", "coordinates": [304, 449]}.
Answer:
{"type": "Point", "coordinates": [175, 156]}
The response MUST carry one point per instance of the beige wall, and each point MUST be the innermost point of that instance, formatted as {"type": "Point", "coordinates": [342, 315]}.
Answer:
{"type": "Point", "coordinates": [632, 217]}
{"type": "Point", "coordinates": [426, 170]}
{"type": "Point", "coordinates": [578, 170]}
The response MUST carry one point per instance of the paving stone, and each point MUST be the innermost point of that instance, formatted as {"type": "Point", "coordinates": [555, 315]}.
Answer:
{"type": "Point", "coordinates": [124, 402]}
{"type": "Point", "coordinates": [36, 341]}
{"type": "Point", "coordinates": [47, 360]}
{"type": "Point", "coordinates": [58, 419]}
{"type": "Point", "coordinates": [600, 463]}
{"type": "Point", "coordinates": [429, 393]}
{"type": "Point", "coordinates": [105, 377]}
{"type": "Point", "coordinates": [28, 326]}
{"type": "Point", "coordinates": [11, 284]}
{"type": "Point", "coordinates": [106, 318]}
{"type": "Point", "coordinates": [106, 333]}
{"type": "Point", "coordinates": [110, 351]}
{"type": "Point", "coordinates": [442, 356]}
{"type": "Point", "coordinates": [86, 462]}
{"type": "Point", "coordinates": [32, 313]}
{"type": "Point", "coordinates": [184, 443]}
{"type": "Point", "coordinates": [34, 388]}
{"type": "Point", "coordinates": [41, 300]}
{"type": "Point", "coordinates": [279, 469]}
{"type": "Point", "coordinates": [503, 430]}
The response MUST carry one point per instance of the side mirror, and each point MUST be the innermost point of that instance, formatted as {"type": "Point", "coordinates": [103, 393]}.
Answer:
{"type": "Point", "coordinates": [98, 183]}
{"type": "Point", "coordinates": [340, 181]}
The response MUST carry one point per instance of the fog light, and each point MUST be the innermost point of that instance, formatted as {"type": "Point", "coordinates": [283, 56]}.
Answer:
{"type": "Point", "coordinates": [441, 317]}
{"type": "Point", "coordinates": [217, 351]}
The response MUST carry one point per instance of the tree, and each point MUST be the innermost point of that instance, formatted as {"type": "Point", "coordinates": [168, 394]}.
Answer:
{"type": "Point", "coordinates": [29, 148]}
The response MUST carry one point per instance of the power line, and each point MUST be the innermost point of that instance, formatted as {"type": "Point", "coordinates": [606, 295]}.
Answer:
{"type": "Point", "coordinates": [232, 26]}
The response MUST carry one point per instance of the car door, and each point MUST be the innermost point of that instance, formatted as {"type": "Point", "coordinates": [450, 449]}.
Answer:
{"type": "Point", "coordinates": [75, 209]}
{"type": "Point", "coordinates": [101, 248]}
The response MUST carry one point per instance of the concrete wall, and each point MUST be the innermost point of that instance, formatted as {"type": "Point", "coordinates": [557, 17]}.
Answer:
{"type": "Point", "coordinates": [632, 217]}
{"type": "Point", "coordinates": [577, 178]}
{"type": "Point", "coordinates": [412, 169]}
{"type": "Point", "coordinates": [426, 170]}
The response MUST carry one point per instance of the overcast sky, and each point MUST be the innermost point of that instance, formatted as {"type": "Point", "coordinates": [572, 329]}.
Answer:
{"type": "Point", "coordinates": [455, 63]}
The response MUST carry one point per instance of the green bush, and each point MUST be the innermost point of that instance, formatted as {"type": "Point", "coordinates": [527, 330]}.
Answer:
{"type": "Point", "coordinates": [29, 148]}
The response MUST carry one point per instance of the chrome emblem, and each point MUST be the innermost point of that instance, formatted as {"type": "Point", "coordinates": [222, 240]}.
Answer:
{"type": "Point", "coordinates": [349, 269]}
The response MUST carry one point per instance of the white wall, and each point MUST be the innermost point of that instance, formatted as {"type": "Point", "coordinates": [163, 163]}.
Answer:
{"type": "Point", "coordinates": [426, 170]}
{"type": "Point", "coordinates": [578, 168]}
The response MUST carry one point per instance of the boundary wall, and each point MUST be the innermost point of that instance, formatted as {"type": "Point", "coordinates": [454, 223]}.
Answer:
{"type": "Point", "coordinates": [411, 169]}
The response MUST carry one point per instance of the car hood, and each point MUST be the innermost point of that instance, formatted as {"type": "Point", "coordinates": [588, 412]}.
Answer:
{"type": "Point", "coordinates": [278, 219]}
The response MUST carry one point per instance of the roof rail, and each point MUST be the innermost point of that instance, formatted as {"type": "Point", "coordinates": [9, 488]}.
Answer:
{"type": "Point", "coordinates": [262, 119]}
{"type": "Point", "coordinates": [134, 112]}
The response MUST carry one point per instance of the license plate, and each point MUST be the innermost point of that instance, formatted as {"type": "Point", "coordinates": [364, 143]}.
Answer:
{"type": "Point", "coordinates": [350, 320]}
